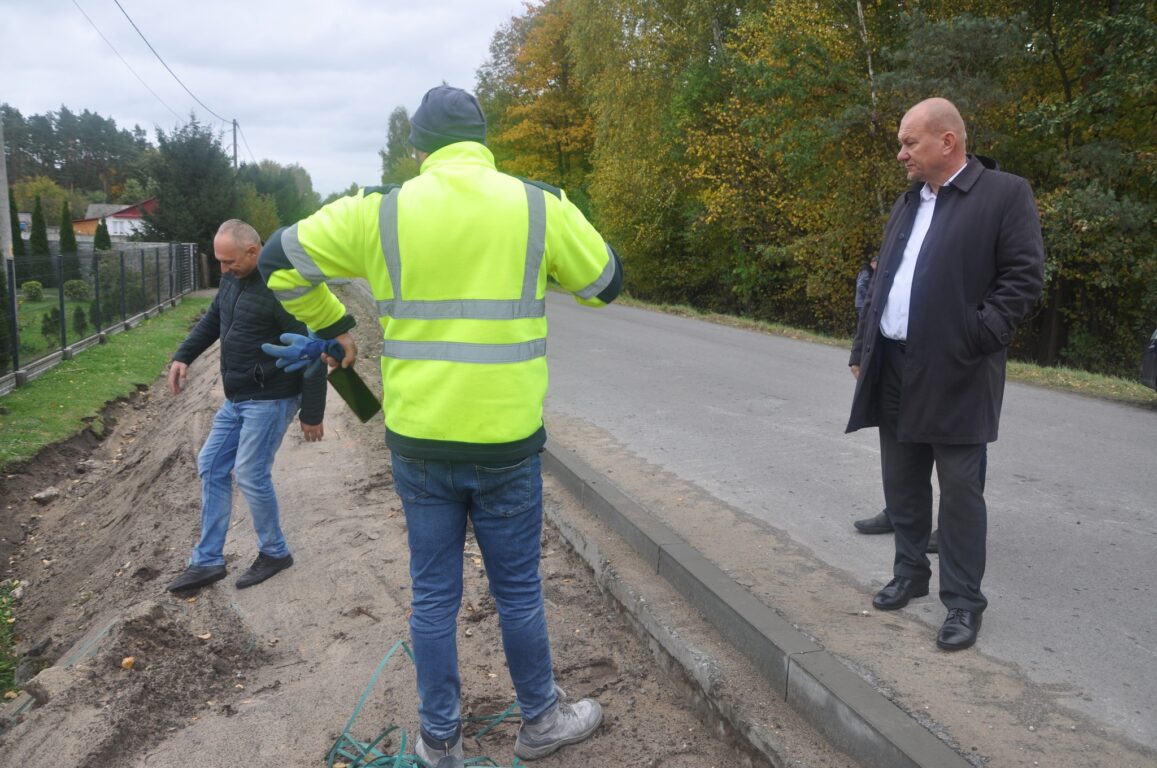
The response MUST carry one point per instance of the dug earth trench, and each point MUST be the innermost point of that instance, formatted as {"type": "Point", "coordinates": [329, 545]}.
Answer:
{"type": "Point", "coordinates": [119, 673]}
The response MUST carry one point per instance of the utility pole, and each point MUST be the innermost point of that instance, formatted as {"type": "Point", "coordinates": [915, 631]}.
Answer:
{"type": "Point", "coordinates": [234, 144]}
{"type": "Point", "coordinates": [6, 222]}
{"type": "Point", "coordinates": [6, 262]}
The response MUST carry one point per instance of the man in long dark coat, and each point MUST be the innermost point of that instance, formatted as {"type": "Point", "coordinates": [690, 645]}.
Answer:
{"type": "Point", "coordinates": [961, 264]}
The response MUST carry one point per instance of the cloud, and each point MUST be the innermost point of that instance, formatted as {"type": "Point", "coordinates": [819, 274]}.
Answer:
{"type": "Point", "coordinates": [311, 83]}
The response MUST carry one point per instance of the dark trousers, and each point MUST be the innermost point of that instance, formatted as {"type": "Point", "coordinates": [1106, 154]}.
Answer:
{"type": "Point", "coordinates": [907, 472]}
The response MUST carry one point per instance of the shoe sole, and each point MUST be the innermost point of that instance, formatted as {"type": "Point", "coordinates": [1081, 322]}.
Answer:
{"type": "Point", "coordinates": [241, 583]}
{"type": "Point", "coordinates": [874, 531]}
{"type": "Point", "coordinates": [248, 584]}
{"type": "Point", "coordinates": [197, 585]}
{"type": "Point", "coordinates": [193, 586]}
{"type": "Point", "coordinates": [898, 606]}
{"type": "Point", "coordinates": [950, 647]}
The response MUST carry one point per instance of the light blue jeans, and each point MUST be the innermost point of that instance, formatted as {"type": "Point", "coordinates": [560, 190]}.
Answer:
{"type": "Point", "coordinates": [504, 504]}
{"type": "Point", "coordinates": [242, 443]}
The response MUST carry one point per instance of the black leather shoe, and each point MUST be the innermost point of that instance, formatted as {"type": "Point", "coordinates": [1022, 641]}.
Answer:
{"type": "Point", "coordinates": [878, 524]}
{"type": "Point", "coordinates": [263, 567]}
{"type": "Point", "coordinates": [959, 630]}
{"type": "Point", "coordinates": [197, 576]}
{"type": "Point", "coordinates": [898, 592]}
{"type": "Point", "coordinates": [933, 544]}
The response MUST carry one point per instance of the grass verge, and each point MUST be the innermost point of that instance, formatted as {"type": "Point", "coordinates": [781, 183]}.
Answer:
{"type": "Point", "coordinates": [69, 397]}
{"type": "Point", "coordinates": [1112, 388]}
{"type": "Point", "coordinates": [64, 400]}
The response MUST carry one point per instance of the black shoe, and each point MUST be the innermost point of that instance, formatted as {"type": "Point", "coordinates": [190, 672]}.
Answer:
{"type": "Point", "coordinates": [197, 576]}
{"type": "Point", "coordinates": [898, 592]}
{"type": "Point", "coordinates": [878, 524]}
{"type": "Point", "coordinates": [959, 630]}
{"type": "Point", "coordinates": [933, 544]}
{"type": "Point", "coordinates": [263, 567]}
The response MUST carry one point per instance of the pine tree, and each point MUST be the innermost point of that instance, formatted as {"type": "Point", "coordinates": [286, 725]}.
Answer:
{"type": "Point", "coordinates": [79, 321]}
{"type": "Point", "coordinates": [39, 266]}
{"type": "Point", "coordinates": [50, 324]}
{"type": "Point", "coordinates": [69, 259]}
{"type": "Point", "coordinates": [17, 238]}
{"type": "Point", "coordinates": [102, 241]}
{"type": "Point", "coordinates": [195, 186]}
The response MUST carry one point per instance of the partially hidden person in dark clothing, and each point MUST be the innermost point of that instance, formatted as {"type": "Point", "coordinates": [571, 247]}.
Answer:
{"type": "Point", "coordinates": [261, 401]}
{"type": "Point", "coordinates": [961, 265]}
{"type": "Point", "coordinates": [863, 280]}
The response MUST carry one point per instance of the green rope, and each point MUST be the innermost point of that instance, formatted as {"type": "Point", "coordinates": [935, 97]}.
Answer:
{"type": "Point", "coordinates": [357, 754]}
{"type": "Point", "coordinates": [493, 721]}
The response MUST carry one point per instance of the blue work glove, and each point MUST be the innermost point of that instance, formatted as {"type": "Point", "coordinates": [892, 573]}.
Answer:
{"type": "Point", "coordinates": [299, 351]}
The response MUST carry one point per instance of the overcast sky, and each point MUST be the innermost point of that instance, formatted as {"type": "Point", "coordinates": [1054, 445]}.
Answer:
{"type": "Point", "coordinates": [310, 82]}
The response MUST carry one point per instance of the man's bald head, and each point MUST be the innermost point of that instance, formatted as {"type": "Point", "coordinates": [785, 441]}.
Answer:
{"type": "Point", "coordinates": [932, 141]}
{"type": "Point", "coordinates": [237, 246]}
{"type": "Point", "coordinates": [941, 115]}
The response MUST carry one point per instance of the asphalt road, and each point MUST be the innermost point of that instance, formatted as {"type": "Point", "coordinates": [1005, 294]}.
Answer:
{"type": "Point", "coordinates": [758, 422]}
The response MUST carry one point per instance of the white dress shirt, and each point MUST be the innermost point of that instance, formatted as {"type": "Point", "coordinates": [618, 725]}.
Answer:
{"type": "Point", "coordinates": [894, 318]}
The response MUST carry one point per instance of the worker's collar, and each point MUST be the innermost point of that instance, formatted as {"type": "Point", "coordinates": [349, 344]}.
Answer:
{"type": "Point", "coordinates": [459, 153]}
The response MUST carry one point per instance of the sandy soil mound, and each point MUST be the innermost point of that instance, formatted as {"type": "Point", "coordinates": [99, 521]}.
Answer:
{"type": "Point", "coordinates": [270, 675]}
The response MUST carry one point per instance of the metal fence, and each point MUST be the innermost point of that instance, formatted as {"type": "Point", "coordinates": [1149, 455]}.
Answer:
{"type": "Point", "coordinates": [59, 305]}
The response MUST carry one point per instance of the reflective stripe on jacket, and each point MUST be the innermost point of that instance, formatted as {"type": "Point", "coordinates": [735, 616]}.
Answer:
{"type": "Point", "coordinates": [457, 260]}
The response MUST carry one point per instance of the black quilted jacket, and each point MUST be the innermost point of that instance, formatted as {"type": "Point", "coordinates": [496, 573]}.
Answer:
{"type": "Point", "coordinates": [244, 315]}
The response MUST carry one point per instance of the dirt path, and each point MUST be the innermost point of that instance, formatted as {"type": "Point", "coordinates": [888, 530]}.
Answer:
{"type": "Point", "coordinates": [269, 676]}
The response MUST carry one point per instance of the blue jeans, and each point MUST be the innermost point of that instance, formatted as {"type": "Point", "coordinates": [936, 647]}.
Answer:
{"type": "Point", "coordinates": [505, 506]}
{"type": "Point", "coordinates": [242, 443]}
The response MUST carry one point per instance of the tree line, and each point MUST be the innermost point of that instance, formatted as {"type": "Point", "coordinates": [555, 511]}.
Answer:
{"type": "Point", "coordinates": [741, 154]}
{"type": "Point", "coordinates": [60, 162]}
{"type": "Point", "coordinates": [67, 160]}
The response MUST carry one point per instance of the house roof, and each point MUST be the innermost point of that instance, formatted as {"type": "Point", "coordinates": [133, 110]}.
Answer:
{"type": "Point", "coordinates": [118, 211]}
{"type": "Point", "coordinates": [101, 210]}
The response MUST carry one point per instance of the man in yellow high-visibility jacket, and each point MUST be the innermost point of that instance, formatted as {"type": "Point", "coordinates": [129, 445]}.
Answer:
{"type": "Point", "coordinates": [458, 260]}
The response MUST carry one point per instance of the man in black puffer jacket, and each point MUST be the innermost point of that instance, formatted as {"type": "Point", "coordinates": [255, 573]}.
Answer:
{"type": "Point", "coordinates": [260, 402]}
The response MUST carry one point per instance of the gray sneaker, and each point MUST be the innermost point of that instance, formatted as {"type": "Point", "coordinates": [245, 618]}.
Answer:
{"type": "Point", "coordinates": [562, 724]}
{"type": "Point", "coordinates": [443, 754]}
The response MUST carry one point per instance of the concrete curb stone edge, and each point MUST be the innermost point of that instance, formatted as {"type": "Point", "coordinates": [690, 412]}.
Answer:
{"type": "Point", "coordinates": [855, 717]}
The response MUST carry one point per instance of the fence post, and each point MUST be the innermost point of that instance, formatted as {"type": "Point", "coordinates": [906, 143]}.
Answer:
{"type": "Point", "coordinates": [157, 275]}
{"type": "Point", "coordinates": [124, 305]}
{"type": "Point", "coordinates": [60, 294]}
{"type": "Point", "coordinates": [97, 319]}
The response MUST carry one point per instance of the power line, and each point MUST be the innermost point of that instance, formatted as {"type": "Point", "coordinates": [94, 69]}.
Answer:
{"type": "Point", "coordinates": [171, 72]}
{"type": "Point", "coordinates": [166, 66]}
{"type": "Point", "coordinates": [122, 58]}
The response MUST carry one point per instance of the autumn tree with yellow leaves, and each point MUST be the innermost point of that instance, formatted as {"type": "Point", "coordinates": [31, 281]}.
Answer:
{"type": "Point", "coordinates": [538, 125]}
{"type": "Point", "coordinates": [741, 154]}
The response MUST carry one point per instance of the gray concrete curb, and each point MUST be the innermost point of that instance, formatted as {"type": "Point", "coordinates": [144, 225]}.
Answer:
{"type": "Point", "coordinates": [851, 714]}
